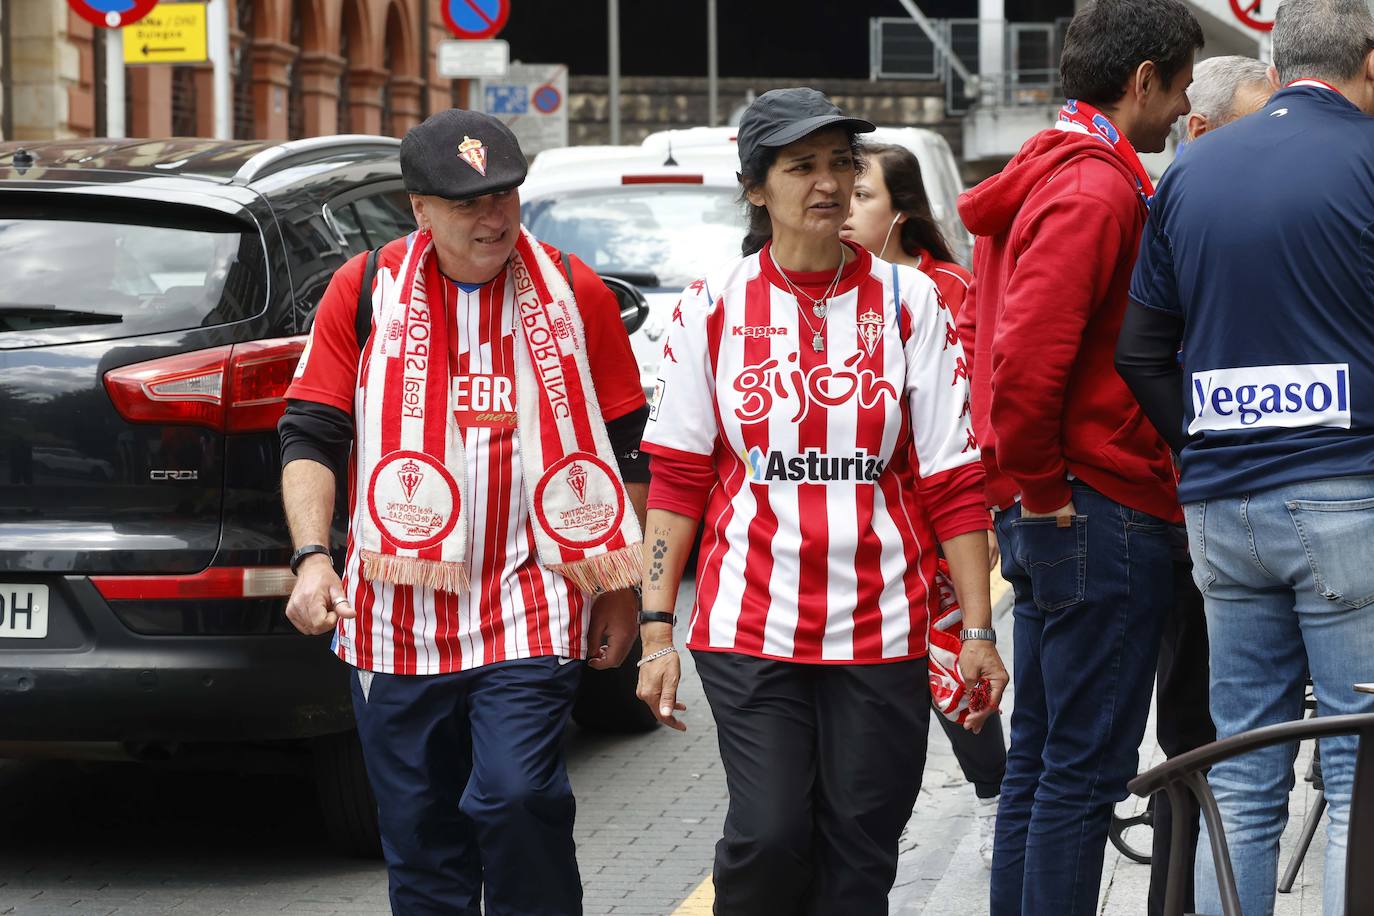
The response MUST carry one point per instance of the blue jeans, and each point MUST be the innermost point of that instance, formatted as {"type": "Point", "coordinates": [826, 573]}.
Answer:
{"type": "Point", "coordinates": [1287, 577]}
{"type": "Point", "coordinates": [472, 791]}
{"type": "Point", "coordinates": [1090, 605]}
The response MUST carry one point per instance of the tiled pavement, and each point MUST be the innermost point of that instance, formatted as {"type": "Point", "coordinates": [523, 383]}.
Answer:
{"type": "Point", "coordinates": [118, 839]}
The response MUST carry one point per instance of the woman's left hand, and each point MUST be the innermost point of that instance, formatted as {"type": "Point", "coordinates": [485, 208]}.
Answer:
{"type": "Point", "coordinates": [978, 659]}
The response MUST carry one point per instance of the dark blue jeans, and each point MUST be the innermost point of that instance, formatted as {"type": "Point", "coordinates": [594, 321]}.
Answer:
{"type": "Point", "coordinates": [1090, 604]}
{"type": "Point", "coordinates": [472, 790]}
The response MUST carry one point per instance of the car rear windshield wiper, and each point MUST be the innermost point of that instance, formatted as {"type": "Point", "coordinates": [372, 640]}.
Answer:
{"type": "Point", "coordinates": [31, 317]}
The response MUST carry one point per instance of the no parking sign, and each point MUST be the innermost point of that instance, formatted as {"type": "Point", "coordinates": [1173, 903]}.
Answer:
{"type": "Point", "coordinates": [532, 101]}
{"type": "Point", "coordinates": [475, 19]}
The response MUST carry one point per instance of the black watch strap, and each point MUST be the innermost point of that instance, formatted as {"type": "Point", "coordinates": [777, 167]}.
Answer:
{"type": "Point", "coordinates": [657, 617]}
{"type": "Point", "coordinates": [299, 556]}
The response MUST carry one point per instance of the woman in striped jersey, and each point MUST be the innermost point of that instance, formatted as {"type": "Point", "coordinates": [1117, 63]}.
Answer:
{"type": "Point", "coordinates": [811, 411]}
{"type": "Point", "coordinates": [890, 216]}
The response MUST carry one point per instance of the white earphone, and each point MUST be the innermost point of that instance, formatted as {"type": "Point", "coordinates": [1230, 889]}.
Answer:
{"type": "Point", "coordinates": [891, 226]}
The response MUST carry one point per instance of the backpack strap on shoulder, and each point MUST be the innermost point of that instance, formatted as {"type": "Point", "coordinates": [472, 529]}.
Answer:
{"type": "Point", "coordinates": [567, 269]}
{"type": "Point", "coordinates": [362, 317]}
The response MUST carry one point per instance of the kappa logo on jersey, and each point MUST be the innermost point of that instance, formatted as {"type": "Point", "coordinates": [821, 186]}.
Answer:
{"type": "Point", "coordinates": [474, 154]}
{"type": "Point", "coordinates": [484, 401]}
{"type": "Point", "coordinates": [812, 466]}
{"type": "Point", "coordinates": [951, 336]}
{"type": "Point", "coordinates": [772, 381]}
{"type": "Point", "coordinates": [758, 330]}
{"type": "Point", "coordinates": [677, 314]}
{"type": "Point", "coordinates": [668, 351]}
{"type": "Point", "coordinates": [870, 325]}
{"type": "Point", "coordinates": [960, 370]}
{"type": "Point", "coordinates": [1316, 394]}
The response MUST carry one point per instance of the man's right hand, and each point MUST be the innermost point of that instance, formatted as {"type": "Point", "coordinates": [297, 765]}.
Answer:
{"type": "Point", "coordinates": [317, 602]}
{"type": "Point", "coordinates": [1065, 511]}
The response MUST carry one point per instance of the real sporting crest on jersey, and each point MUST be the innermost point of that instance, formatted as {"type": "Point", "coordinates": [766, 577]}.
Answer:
{"type": "Point", "coordinates": [870, 326]}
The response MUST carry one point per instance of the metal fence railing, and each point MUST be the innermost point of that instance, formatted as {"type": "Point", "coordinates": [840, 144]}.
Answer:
{"type": "Point", "coordinates": [1028, 73]}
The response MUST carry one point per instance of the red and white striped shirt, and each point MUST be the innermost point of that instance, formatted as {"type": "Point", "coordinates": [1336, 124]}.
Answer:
{"type": "Point", "coordinates": [515, 608]}
{"type": "Point", "coordinates": [837, 471]}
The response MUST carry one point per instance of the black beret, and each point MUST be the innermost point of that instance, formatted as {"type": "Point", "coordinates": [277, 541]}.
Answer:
{"type": "Point", "coordinates": [459, 153]}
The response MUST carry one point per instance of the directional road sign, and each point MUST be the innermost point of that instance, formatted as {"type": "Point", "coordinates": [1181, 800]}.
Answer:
{"type": "Point", "coordinates": [111, 14]}
{"type": "Point", "coordinates": [475, 19]}
{"type": "Point", "coordinates": [472, 59]}
{"type": "Point", "coordinates": [174, 33]}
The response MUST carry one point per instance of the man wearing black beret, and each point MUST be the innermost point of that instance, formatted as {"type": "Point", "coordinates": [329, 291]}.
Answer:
{"type": "Point", "coordinates": [489, 428]}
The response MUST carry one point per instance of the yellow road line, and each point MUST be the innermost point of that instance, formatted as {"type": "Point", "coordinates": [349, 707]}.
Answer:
{"type": "Point", "coordinates": [701, 900]}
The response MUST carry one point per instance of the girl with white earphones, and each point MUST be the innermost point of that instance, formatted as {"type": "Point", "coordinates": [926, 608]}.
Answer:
{"type": "Point", "coordinates": [889, 215]}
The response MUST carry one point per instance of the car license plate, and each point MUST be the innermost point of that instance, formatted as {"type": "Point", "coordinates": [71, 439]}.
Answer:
{"type": "Point", "coordinates": [23, 611]}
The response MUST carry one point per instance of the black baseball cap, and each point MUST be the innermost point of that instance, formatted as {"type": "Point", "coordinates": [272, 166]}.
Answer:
{"type": "Point", "coordinates": [459, 154]}
{"type": "Point", "coordinates": [781, 116]}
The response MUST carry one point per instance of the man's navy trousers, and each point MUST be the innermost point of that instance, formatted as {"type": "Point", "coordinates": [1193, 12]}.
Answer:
{"type": "Point", "coordinates": [472, 788]}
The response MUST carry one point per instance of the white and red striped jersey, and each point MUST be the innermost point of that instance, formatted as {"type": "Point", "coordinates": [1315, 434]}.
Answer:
{"type": "Point", "coordinates": [514, 608]}
{"type": "Point", "coordinates": [837, 471]}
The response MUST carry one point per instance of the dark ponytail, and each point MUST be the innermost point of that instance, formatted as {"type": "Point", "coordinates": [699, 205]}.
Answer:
{"type": "Point", "coordinates": [902, 175]}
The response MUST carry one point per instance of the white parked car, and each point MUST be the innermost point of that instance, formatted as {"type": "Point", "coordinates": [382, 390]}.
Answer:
{"type": "Point", "coordinates": [662, 214]}
{"type": "Point", "coordinates": [629, 215]}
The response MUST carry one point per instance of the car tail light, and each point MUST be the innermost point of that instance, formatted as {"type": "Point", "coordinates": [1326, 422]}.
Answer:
{"type": "Point", "coordinates": [217, 582]}
{"type": "Point", "coordinates": [235, 389]}
{"type": "Point", "coordinates": [673, 178]}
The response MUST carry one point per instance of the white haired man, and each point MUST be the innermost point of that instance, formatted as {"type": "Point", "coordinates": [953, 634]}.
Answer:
{"type": "Point", "coordinates": [1224, 89]}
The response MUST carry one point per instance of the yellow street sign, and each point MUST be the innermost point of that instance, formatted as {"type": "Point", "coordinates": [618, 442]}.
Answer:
{"type": "Point", "coordinates": [173, 33]}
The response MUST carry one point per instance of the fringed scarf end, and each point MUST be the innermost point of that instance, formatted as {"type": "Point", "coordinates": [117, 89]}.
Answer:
{"type": "Point", "coordinates": [431, 574]}
{"type": "Point", "coordinates": [605, 572]}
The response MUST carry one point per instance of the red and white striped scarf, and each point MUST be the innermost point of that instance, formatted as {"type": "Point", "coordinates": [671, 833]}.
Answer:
{"type": "Point", "coordinates": [947, 688]}
{"type": "Point", "coordinates": [411, 527]}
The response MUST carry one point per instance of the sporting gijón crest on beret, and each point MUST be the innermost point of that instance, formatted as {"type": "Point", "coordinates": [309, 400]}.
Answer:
{"type": "Point", "coordinates": [474, 153]}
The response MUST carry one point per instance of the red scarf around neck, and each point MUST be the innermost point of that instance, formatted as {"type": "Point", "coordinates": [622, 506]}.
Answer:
{"type": "Point", "coordinates": [1084, 118]}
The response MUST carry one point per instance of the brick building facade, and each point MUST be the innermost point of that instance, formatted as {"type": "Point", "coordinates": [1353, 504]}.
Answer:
{"type": "Point", "coordinates": [301, 68]}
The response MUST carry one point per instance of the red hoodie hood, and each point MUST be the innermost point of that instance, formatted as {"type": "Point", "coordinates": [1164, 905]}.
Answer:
{"type": "Point", "coordinates": [989, 208]}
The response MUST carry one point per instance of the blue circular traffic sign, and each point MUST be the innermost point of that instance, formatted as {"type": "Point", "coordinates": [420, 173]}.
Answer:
{"type": "Point", "coordinates": [475, 19]}
{"type": "Point", "coordinates": [547, 98]}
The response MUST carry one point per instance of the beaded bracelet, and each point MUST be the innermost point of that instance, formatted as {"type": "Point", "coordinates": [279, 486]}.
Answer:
{"type": "Point", "coordinates": [655, 656]}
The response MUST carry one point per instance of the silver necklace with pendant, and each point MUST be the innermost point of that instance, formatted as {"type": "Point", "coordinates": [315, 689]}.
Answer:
{"type": "Point", "coordinates": [820, 307]}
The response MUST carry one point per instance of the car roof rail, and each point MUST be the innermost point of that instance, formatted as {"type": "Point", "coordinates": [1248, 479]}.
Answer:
{"type": "Point", "coordinates": [297, 152]}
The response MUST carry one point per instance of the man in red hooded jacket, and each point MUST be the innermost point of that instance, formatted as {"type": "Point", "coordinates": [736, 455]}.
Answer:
{"type": "Point", "coordinates": [1082, 484]}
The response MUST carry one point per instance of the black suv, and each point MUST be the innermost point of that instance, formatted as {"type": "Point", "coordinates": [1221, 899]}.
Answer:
{"type": "Point", "coordinates": [155, 299]}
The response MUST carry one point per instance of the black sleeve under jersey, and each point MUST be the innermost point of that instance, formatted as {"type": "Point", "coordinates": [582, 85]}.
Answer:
{"type": "Point", "coordinates": [625, 433]}
{"type": "Point", "coordinates": [1147, 360]}
{"type": "Point", "coordinates": [316, 431]}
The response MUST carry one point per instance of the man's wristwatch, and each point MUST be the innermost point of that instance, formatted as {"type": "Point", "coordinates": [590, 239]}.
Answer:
{"type": "Point", "coordinates": [299, 556]}
{"type": "Point", "coordinates": [984, 633]}
{"type": "Point", "coordinates": [657, 617]}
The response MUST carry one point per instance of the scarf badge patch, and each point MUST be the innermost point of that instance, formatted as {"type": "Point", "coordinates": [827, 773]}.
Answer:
{"type": "Point", "coordinates": [474, 154]}
{"type": "Point", "coordinates": [870, 329]}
